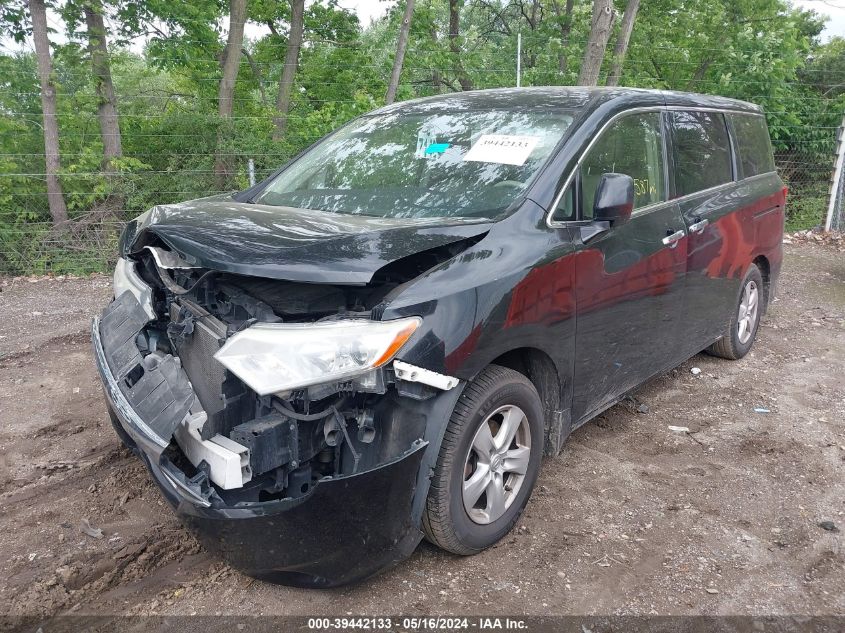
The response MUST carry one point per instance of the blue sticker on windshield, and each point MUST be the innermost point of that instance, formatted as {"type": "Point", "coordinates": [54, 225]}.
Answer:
{"type": "Point", "coordinates": [436, 148]}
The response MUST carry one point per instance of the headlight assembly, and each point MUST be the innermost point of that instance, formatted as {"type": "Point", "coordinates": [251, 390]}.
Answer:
{"type": "Point", "coordinates": [274, 357]}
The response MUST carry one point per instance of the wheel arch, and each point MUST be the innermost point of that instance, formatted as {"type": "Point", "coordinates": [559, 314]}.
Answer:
{"type": "Point", "coordinates": [540, 369]}
{"type": "Point", "coordinates": [762, 263]}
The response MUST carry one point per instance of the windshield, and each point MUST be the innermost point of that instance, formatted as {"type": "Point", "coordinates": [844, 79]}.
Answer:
{"type": "Point", "coordinates": [460, 164]}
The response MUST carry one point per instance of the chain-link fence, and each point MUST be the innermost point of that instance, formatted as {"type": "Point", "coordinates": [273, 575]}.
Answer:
{"type": "Point", "coordinates": [807, 175]}
{"type": "Point", "coordinates": [75, 248]}
{"type": "Point", "coordinates": [89, 243]}
{"type": "Point", "coordinates": [174, 142]}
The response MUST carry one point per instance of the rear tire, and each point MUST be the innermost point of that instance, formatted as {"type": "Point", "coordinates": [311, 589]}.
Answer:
{"type": "Point", "coordinates": [493, 444]}
{"type": "Point", "coordinates": [742, 328]}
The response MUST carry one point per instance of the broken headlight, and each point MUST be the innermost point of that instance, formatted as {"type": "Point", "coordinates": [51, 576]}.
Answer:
{"type": "Point", "coordinates": [274, 357]}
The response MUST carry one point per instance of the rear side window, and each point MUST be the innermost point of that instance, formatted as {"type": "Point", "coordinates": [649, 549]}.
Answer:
{"type": "Point", "coordinates": [753, 145]}
{"type": "Point", "coordinates": [702, 151]}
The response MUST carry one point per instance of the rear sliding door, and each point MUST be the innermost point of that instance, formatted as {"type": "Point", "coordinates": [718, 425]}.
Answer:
{"type": "Point", "coordinates": [704, 187]}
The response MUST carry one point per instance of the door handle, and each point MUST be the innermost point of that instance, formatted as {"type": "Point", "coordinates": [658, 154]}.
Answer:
{"type": "Point", "coordinates": [699, 226]}
{"type": "Point", "coordinates": [672, 239]}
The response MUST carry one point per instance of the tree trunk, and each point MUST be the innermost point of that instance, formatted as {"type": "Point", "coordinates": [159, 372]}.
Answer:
{"type": "Point", "coordinates": [699, 74]}
{"type": "Point", "coordinates": [455, 45]}
{"type": "Point", "coordinates": [226, 90]}
{"type": "Point", "coordinates": [565, 21]}
{"type": "Point", "coordinates": [401, 45]}
{"type": "Point", "coordinates": [107, 102]}
{"type": "Point", "coordinates": [436, 75]}
{"type": "Point", "coordinates": [597, 44]}
{"type": "Point", "coordinates": [622, 40]}
{"type": "Point", "coordinates": [58, 210]}
{"type": "Point", "coordinates": [256, 72]}
{"type": "Point", "coordinates": [297, 26]}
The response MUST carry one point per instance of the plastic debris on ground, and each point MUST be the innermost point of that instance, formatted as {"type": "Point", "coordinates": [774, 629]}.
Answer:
{"type": "Point", "coordinates": [86, 528]}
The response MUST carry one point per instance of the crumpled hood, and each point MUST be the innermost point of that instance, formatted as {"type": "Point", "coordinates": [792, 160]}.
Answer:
{"type": "Point", "coordinates": [294, 244]}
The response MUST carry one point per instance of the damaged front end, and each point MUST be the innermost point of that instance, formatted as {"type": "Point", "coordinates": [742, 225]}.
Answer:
{"type": "Point", "coordinates": [272, 413]}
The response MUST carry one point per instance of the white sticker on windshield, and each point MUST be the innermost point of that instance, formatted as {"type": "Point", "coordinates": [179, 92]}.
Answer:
{"type": "Point", "coordinates": [424, 139]}
{"type": "Point", "coordinates": [502, 148]}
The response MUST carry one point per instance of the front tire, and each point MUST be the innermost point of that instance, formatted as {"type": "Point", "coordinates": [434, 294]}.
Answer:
{"type": "Point", "coordinates": [742, 328]}
{"type": "Point", "coordinates": [488, 463]}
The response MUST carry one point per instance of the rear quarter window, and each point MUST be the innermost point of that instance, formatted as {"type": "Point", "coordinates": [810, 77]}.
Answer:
{"type": "Point", "coordinates": [702, 151]}
{"type": "Point", "coordinates": [754, 148]}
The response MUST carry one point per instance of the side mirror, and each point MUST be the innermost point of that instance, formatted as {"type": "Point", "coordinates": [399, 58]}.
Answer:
{"type": "Point", "coordinates": [614, 199]}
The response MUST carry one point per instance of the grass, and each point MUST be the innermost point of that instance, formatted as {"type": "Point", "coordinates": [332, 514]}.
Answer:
{"type": "Point", "coordinates": [806, 207]}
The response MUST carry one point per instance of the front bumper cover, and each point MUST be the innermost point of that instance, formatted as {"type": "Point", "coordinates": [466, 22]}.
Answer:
{"type": "Point", "coordinates": [342, 530]}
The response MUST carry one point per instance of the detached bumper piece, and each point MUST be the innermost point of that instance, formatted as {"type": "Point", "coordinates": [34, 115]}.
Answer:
{"type": "Point", "coordinates": [160, 393]}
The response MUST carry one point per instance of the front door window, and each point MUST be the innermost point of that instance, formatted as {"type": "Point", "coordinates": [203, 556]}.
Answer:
{"type": "Point", "coordinates": [632, 146]}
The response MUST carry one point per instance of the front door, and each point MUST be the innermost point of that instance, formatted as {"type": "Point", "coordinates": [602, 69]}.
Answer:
{"type": "Point", "coordinates": [629, 279]}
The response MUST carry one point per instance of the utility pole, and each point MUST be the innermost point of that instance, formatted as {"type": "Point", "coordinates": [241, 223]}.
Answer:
{"type": "Point", "coordinates": [835, 217]}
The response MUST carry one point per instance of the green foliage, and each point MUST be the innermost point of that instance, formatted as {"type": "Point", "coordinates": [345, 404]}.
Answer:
{"type": "Point", "coordinates": [760, 50]}
{"type": "Point", "coordinates": [806, 206]}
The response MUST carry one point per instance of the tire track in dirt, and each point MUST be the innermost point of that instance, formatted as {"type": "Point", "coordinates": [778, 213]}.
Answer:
{"type": "Point", "coordinates": [135, 543]}
{"type": "Point", "coordinates": [69, 468]}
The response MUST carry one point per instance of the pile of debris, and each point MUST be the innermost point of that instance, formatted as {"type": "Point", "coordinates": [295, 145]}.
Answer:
{"type": "Point", "coordinates": [830, 238]}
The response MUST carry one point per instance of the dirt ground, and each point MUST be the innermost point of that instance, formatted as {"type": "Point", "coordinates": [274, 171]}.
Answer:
{"type": "Point", "coordinates": [632, 518]}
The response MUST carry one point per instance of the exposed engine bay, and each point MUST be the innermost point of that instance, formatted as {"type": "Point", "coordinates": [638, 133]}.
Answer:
{"type": "Point", "coordinates": [227, 442]}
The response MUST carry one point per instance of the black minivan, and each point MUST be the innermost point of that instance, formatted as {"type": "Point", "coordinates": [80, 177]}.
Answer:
{"type": "Point", "coordinates": [381, 340]}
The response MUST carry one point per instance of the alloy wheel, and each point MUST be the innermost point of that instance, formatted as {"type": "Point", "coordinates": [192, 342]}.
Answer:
{"type": "Point", "coordinates": [747, 317]}
{"type": "Point", "coordinates": [496, 464]}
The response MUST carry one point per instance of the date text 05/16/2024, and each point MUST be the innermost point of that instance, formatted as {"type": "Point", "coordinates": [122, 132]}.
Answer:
{"type": "Point", "coordinates": [431, 623]}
